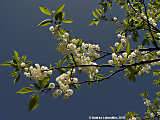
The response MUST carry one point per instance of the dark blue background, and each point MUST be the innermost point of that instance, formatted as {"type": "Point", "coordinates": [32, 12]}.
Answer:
{"type": "Point", "coordinates": [18, 20]}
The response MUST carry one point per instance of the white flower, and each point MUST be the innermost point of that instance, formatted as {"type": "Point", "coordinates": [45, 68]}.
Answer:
{"type": "Point", "coordinates": [119, 35]}
{"type": "Point", "coordinates": [31, 68]}
{"type": "Point", "coordinates": [66, 35]}
{"type": "Point", "coordinates": [123, 40]}
{"type": "Point", "coordinates": [26, 69]}
{"type": "Point", "coordinates": [133, 54]}
{"type": "Point", "coordinates": [42, 68]}
{"type": "Point", "coordinates": [158, 34]}
{"type": "Point", "coordinates": [152, 115]}
{"type": "Point", "coordinates": [124, 54]}
{"type": "Point", "coordinates": [116, 44]}
{"type": "Point", "coordinates": [27, 74]}
{"type": "Point", "coordinates": [71, 46]}
{"type": "Point", "coordinates": [69, 92]}
{"type": "Point", "coordinates": [74, 40]}
{"type": "Point", "coordinates": [75, 80]}
{"type": "Point", "coordinates": [115, 18]}
{"type": "Point", "coordinates": [23, 64]}
{"type": "Point", "coordinates": [120, 57]}
{"type": "Point", "coordinates": [66, 96]}
{"type": "Point", "coordinates": [114, 55]}
{"type": "Point", "coordinates": [158, 112]}
{"type": "Point", "coordinates": [57, 93]}
{"type": "Point", "coordinates": [50, 72]}
{"type": "Point", "coordinates": [110, 62]}
{"type": "Point", "coordinates": [158, 52]}
{"type": "Point", "coordinates": [147, 102]}
{"type": "Point", "coordinates": [51, 28]}
{"type": "Point", "coordinates": [133, 118]}
{"type": "Point", "coordinates": [51, 85]}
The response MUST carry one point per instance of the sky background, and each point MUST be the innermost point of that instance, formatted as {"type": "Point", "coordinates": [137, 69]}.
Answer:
{"type": "Point", "coordinates": [112, 97]}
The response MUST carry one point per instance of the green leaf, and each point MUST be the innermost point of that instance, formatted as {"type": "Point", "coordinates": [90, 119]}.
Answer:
{"type": "Point", "coordinates": [144, 94]}
{"type": "Point", "coordinates": [63, 15]}
{"type": "Point", "coordinates": [128, 49]}
{"type": "Point", "coordinates": [145, 42]}
{"type": "Point", "coordinates": [33, 103]}
{"type": "Point", "coordinates": [135, 36]}
{"type": "Point", "coordinates": [16, 79]}
{"type": "Point", "coordinates": [45, 10]}
{"type": "Point", "coordinates": [109, 4]}
{"type": "Point", "coordinates": [125, 22]}
{"type": "Point", "coordinates": [25, 90]}
{"type": "Point", "coordinates": [99, 11]}
{"type": "Point", "coordinates": [112, 49]}
{"type": "Point", "coordinates": [59, 16]}
{"type": "Point", "coordinates": [13, 74]}
{"type": "Point", "coordinates": [45, 23]}
{"type": "Point", "coordinates": [94, 14]}
{"type": "Point", "coordinates": [16, 56]}
{"type": "Point", "coordinates": [60, 8]}
{"type": "Point", "coordinates": [105, 8]}
{"type": "Point", "coordinates": [5, 64]}
{"type": "Point", "coordinates": [44, 82]}
{"type": "Point", "coordinates": [67, 21]}
{"type": "Point", "coordinates": [23, 58]}
{"type": "Point", "coordinates": [158, 93]}
{"type": "Point", "coordinates": [35, 85]}
{"type": "Point", "coordinates": [94, 21]}
{"type": "Point", "coordinates": [99, 76]}
{"type": "Point", "coordinates": [119, 47]}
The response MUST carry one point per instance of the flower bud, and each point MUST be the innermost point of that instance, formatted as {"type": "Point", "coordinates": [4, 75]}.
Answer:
{"type": "Point", "coordinates": [51, 85]}
{"type": "Point", "coordinates": [51, 28]}
{"type": "Point", "coordinates": [23, 64]}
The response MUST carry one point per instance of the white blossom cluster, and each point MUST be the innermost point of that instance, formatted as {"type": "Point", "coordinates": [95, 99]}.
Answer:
{"type": "Point", "coordinates": [147, 102]}
{"type": "Point", "coordinates": [151, 20]}
{"type": "Point", "coordinates": [82, 53]}
{"type": "Point", "coordinates": [37, 72]}
{"type": "Point", "coordinates": [123, 38]}
{"type": "Point", "coordinates": [135, 56]}
{"type": "Point", "coordinates": [63, 81]}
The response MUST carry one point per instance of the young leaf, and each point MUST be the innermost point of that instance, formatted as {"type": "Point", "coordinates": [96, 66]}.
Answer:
{"type": "Point", "coordinates": [59, 16]}
{"type": "Point", "coordinates": [16, 56]}
{"type": "Point", "coordinates": [44, 82]}
{"type": "Point", "coordinates": [67, 21]}
{"type": "Point", "coordinates": [33, 103]}
{"type": "Point", "coordinates": [45, 10]}
{"type": "Point", "coordinates": [35, 85]}
{"type": "Point", "coordinates": [60, 8]}
{"type": "Point", "coordinates": [128, 49]}
{"type": "Point", "coordinates": [94, 21]}
{"type": "Point", "coordinates": [16, 79]}
{"type": "Point", "coordinates": [44, 23]}
{"type": "Point", "coordinates": [25, 90]}
{"type": "Point", "coordinates": [112, 49]}
{"type": "Point", "coordinates": [13, 74]}
{"type": "Point", "coordinates": [94, 14]}
{"type": "Point", "coordinates": [5, 64]}
{"type": "Point", "coordinates": [99, 11]}
{"type": "Point", "coordinates": [109, 4]}
{"type": "Point", "coordinates": [119, 47]}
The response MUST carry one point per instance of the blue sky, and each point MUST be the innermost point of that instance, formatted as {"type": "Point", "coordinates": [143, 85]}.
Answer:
{"type": "Point", "coordinates": [112, 97]}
